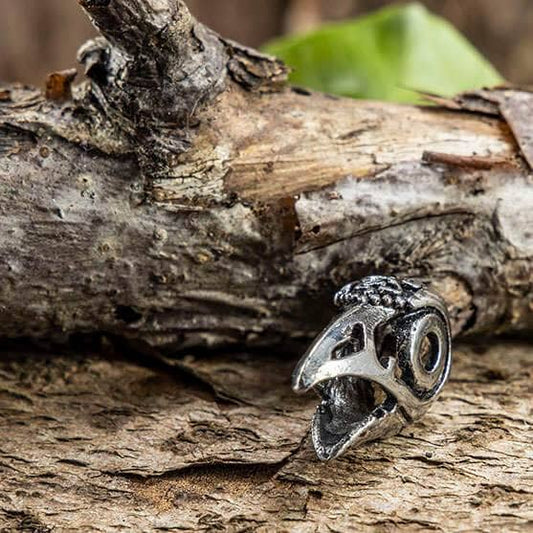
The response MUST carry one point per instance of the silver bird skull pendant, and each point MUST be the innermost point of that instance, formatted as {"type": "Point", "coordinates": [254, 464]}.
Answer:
{"type": "Point", "coordinates": [378, 365]}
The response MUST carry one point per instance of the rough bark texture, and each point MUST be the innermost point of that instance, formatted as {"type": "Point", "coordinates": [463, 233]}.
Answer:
{"type": "Point", "coordinates": [99, 443]}
{"type": "Point", "coordinates": [185, 197]}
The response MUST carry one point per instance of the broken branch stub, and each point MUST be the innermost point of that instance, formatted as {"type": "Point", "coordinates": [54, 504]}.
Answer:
{"type": "Point", "coordinates": [154, 71]}
{"type": "Point", "coordinates": [155, 66]}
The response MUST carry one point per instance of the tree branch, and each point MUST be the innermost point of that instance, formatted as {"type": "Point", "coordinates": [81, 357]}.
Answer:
{"type": "Point", "coordinates": [184, 196]}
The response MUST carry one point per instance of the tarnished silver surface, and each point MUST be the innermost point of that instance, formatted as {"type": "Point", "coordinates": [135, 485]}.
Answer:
{"type": "Point", "coordinates": [378, 365]}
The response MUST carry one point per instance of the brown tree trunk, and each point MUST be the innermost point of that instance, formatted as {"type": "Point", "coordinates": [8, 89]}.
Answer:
{"type": "Point", "coordinates": [185, 196]}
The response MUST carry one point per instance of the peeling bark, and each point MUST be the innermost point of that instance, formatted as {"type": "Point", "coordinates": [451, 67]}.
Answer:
{"type": "Point", "coordinates": [185, 197]}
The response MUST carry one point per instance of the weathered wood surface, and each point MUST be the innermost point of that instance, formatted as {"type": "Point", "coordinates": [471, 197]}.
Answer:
{"type": "Point", "coordinates": [184, 196]}
{"type": "Point", "coordinates": [101, 443]}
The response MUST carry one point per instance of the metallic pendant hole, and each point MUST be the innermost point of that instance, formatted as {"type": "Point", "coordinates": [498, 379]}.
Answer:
{"type": "Point", "coordinates": [357, 338]}
{"type": "Point", "coordinates": [379, 394]}
{"type": "Point", "coordinates": [429, 352]}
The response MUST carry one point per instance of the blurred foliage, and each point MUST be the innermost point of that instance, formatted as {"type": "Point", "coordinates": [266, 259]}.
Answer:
{"type": "Point", "coordinates": [387, 55]}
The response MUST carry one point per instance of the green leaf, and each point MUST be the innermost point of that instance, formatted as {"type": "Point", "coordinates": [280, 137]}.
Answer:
{"type": "Point", "coordinates": [387, 55]}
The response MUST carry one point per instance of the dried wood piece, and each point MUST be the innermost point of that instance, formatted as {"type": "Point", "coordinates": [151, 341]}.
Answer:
{"type": "Point", "coordinates": [59, 85]}
{"type": "Point", "coordinates": [186, 197]}
{"type": "Point", "coordinates": [472, 161]}
{"type": "Point", "coordinates": [515, 108]}
{"type": "Point", "coordinates": [512, 103]}
{"type": "Point", "coordinates": [102, 443]}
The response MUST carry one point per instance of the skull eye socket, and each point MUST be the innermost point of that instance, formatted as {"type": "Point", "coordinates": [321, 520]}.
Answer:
{"type": "Point", "coordinates": [429, 352]}
{"type": "Point", "coordinates": [357, 338]}
{"type": "Point", "coordinates": [387, 349]}
{"type": "Point", "coordinates": [353, 342]}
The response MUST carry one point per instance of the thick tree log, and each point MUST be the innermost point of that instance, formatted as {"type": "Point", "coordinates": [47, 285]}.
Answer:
{"type": "Point", "coordinates": [184, 196]}
{"type": "Point", "coordinates": [98, 443]}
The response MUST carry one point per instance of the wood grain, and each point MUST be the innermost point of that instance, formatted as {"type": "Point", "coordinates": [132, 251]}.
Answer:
{"type": "Point", "coordinates": [188, 215]}
{"type": "Point", "coordinates": [214, 205]}
{"type": "Point", "coordinates": [103, 443]}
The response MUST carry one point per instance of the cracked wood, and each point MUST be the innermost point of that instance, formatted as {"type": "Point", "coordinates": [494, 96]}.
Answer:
{"type": "Point", "coordinates": [184, 196]}
{"type": "Point", "coordinates": [103, 443]}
